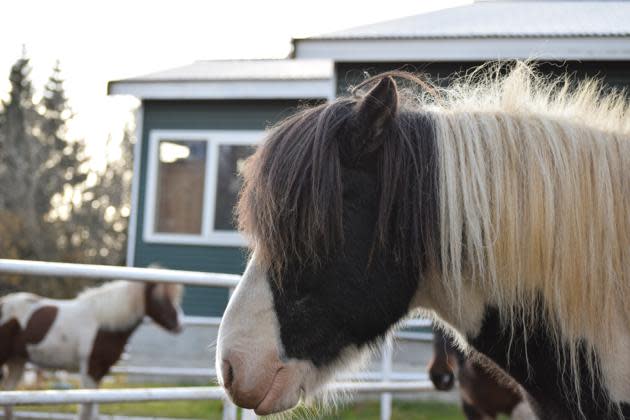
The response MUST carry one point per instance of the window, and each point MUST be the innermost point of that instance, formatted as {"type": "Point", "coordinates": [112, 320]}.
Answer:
{"type": "Point", "coordinates": [193, 185]}
{"type": "Point", "coordinates": [231, 159]}
{"type": "Point", "coordinates": [181, 181]}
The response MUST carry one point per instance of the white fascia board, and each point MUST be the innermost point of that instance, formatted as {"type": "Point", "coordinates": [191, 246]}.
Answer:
{"type": "Point", "coordinates": [224, 89]}
{"type": "Point", "coordinates": [466, 49]}
{"type": "Point", "coordinates": [135, 189]}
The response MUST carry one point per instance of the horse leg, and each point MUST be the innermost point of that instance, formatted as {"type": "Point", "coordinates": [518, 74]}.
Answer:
{"type": "Point", "coordinates": [88, 411]}
{"type": "Point", "coordinates": [14, 371]}
{"type": "Point", "coordinates": [472, 413]}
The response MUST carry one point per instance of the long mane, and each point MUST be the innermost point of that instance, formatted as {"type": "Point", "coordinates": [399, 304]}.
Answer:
{"type": "Point", "coordinates": [532, 190]}
{"type": "Point", "coordinates": [535, 198]}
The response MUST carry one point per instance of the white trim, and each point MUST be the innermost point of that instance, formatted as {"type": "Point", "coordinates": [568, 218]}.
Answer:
{"type": "Point", "coordinates": [213, 139]}
{"type": "Point", "coordinates": [223, 89]}
{"type": "Point", "coordinates": [209, 191]}
{"type": "Point", "coordinates": [135, 188]}
{"type": "Point", "coordinates": [465, 49]}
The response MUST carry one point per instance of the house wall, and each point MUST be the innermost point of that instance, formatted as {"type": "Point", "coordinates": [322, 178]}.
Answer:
{"type": "Point", "coordinates": [199, 115]}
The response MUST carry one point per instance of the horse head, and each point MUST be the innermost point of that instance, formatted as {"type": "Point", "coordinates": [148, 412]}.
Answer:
{"type": "Point", "coordinates": [444, 364]}
{"type": "Point", "coordinates": [162, 305]}
{"type": "Point", "coordinates": [321, 288]}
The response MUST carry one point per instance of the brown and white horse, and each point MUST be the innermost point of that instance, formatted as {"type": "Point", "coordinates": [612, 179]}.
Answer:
{"type": "Point", "coordinates": [486, 391]}
{"type": "Point", "coordinates": [86, 334]}
{"type": "Point", "coordinates": [499, 205]}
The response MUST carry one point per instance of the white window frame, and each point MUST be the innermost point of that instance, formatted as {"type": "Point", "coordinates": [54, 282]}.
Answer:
{"type": "Point", "coordinates": [214, 139]}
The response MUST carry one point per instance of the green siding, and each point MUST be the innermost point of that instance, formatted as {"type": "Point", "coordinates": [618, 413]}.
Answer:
{"type": "Point", "coordinates": [199, 115]}
{"type": "Point", "coordinates": [615, 73]}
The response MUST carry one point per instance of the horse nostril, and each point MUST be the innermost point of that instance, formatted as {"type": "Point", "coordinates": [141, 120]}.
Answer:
{"type": "Point", "coordinates": [228, 374]}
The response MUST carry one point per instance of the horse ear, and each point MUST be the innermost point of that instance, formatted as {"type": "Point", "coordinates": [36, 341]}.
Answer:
{"type": "Point", "coordinates": [375, 112]}
{"type": "Point", "coordinates": [378, 107]}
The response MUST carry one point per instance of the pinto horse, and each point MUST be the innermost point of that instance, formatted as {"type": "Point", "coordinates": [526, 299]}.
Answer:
{"type": "Point", "coordinates": [86, 335]}
{"type": "Point", "coordinates": [485, 391]}
{"type": "Point", "coordinates": [499, 206]}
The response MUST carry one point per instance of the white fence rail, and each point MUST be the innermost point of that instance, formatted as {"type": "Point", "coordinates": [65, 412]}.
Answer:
{"type": "Point", "coordinates": [210, 373]}
{"type": "Point", "coordinates": [107, 272]}
{"type": "Point", "coordinates": [385, 382]}
{"type": "Point", "coordinates": [104, 396]}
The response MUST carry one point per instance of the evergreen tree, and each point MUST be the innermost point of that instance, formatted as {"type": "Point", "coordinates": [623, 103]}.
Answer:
{"type": "Point", "coordinates": [18, 159]}
{"type": "Point", "coordinates": [63, 160]}
{"type": "Point", "coordinates": [18, 228]}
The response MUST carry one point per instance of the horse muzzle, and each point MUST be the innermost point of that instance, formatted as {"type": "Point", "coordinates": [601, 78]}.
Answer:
{"type": "Point", "coordinates": [268, 387]}
{"type": "Point", "coordinates": [442, 381]}
{"type": "Point", "coordinates": [248, 358]}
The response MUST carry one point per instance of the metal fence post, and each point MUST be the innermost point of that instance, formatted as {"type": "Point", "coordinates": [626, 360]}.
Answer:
{"type": "Point", "coordinates": [230, 411]}
{"type": "Point", "coordinates": [386, 369]}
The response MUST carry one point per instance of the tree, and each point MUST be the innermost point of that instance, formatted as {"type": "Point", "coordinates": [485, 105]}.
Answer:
{"type": "Point", "coordinates": [63, 166]}
{"type": "Point", "coordinates": [19, 148]}
{"type": "Point", "coordinates": [38, 162]}
{"type": "Point", "coordinates": [53, 207]}
{"type": "Point", "coordinates": [97, 228]}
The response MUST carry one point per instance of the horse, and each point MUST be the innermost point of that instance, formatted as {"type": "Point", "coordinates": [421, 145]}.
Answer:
{"type": "Point", "coordinates": [486, 391]}
{"type": "Point", "coordinates": [497, 205]}
{"type": "Point", "coordinates": [87, 334]}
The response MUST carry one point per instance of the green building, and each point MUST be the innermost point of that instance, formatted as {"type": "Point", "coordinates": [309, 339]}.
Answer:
{"type": "Point", "coordinates": [197, 123]}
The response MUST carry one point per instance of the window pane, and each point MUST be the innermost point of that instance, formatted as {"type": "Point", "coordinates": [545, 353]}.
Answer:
{"type": "Point", "coordinates": [231, 158]}
{"type": "Point", "coordinates": [181, 174]}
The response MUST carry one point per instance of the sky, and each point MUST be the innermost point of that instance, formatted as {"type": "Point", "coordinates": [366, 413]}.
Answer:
{"type": "Point", "coordinates": [98, 41]}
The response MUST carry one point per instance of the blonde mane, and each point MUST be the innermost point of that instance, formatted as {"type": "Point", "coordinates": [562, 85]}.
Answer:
{"type": "Point", "coordinates": [534, 179]}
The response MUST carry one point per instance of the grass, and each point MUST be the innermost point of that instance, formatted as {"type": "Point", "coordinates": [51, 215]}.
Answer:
{"type": "Point", "coordinates": [212, 410]}
{"type": "Point", "coordinates": [176, 409]}
{"type": "Point", "coordinates": [401, 410]}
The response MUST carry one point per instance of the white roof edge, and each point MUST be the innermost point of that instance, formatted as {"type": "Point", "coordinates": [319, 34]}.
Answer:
{"type": "Point", "coordinates": [225, 89]}
{"type": "Point", "coordinates": [465, 49]}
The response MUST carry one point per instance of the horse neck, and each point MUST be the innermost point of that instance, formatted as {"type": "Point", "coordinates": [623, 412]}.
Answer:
{"type": "Point", "coordinates": [117, 306]}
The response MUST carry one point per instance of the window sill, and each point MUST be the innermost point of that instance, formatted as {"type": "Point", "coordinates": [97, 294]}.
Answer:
{"type": "Point", "coordinates": [231, 239]}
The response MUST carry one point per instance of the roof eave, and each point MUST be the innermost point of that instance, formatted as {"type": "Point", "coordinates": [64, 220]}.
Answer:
{"type": "Point", "coordinates": [223, 89]}
{"type": "Point", "coordinates": [480, 48]}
